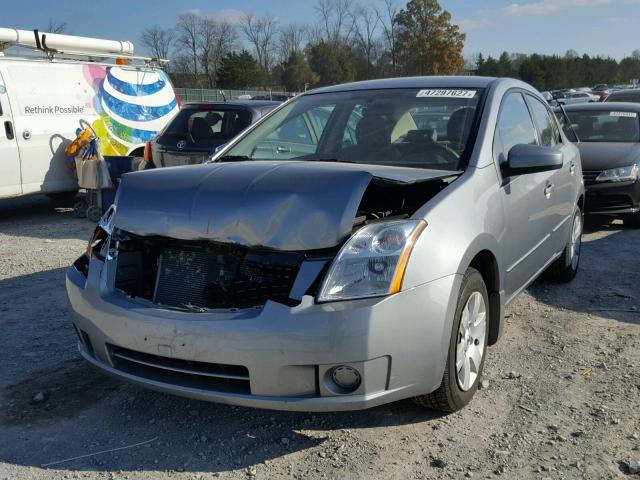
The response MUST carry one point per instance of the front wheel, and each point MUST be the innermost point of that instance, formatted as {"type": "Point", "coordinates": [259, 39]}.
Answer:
{"type": "Point", "coordinates": [565, 268]}
{"type": "Point", "coordinates": [467, 348]}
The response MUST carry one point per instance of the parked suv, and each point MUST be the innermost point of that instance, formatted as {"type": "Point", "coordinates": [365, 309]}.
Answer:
{"type": "Point", "coordinates": [199, 128]}
{"type": "Point", "coordinates": [373, 265]}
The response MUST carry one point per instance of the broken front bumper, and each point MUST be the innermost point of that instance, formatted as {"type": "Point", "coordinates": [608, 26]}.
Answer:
{"type": "Point", "coordinates": [278, 357]}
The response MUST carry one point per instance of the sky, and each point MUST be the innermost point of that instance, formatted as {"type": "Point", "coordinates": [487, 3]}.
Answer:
{"type": "Point", "coordinates": [595, 27]}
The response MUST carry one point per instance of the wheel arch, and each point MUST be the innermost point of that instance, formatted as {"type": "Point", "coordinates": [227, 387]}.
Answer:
{"type": "Point", "coordinates": [486, 263]}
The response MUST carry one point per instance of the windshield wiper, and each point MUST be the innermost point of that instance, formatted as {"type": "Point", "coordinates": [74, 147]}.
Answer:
{"type": "Point", "coordinates": [233, 158]}
{"type": "Point", "coordinates": [323, 159]}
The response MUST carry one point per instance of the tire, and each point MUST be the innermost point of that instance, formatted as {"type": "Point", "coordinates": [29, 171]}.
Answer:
{"type": "Point", "coordinates": [456, 390]}
{"type": "Point", "coordinates": [565, 268]}
{"type": "Point", "coordinates": [62, 196]}
{"type": "Point", "coordinates": [633, 220]}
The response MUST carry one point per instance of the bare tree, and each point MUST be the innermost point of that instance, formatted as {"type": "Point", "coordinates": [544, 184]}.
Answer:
{"type": "Point", "coordinates": [215, 40]}
{"type": "Point", "coordinates": [336, 18]}
{"type": "Point", "coordinates": [291, 40]}
{"type": "Point", "coordinates": [52, 27]}
{"type": "Point", "coordinates": [187, 29]}
{"type": "Point", "coordinates": [366, 21]}
{"type": "Point", "coordinates": [387, 18]}
{"type": "Point", "coordinates": [158, 41]}
{"type": "Point", "coordinates": [56, 27]}
{"type": "Point", "coordinates": [261, 32]}
{"type": "Point", "coordinates": [313, 33]}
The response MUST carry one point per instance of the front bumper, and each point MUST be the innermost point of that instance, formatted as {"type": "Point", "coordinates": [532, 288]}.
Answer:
{"type": "Point", "coordinates": [613, 198]}
{"type": "Point", "coordinates": [398, 344]}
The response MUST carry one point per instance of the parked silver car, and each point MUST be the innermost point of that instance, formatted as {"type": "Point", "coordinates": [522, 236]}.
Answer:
{"type": "Point", "coordinates": [356, 246]}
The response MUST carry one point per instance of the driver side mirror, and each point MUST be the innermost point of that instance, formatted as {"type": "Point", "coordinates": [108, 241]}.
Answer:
{"type": "Point", "coordinates": [525, 159]}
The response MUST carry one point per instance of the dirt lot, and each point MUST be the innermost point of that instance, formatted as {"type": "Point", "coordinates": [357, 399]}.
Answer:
{"type": "Point", "coordinates": [561, 400]}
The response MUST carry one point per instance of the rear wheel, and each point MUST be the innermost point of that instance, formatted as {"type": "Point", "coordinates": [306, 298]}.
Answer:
{"type": "Point", "coordinates": [565, 268]}
{"type": "Point", "coordinates": [467, 348]}
{"type": "Point", "coordinates": [633, 220]}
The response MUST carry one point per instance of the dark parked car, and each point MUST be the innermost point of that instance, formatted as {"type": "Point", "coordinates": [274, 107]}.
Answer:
{"type": "Point", "coordinates": [199, 128]}
{"type": "Point", "coordinates": [630, 95]}
{"type": "Point", "coordinates": [609, 143]}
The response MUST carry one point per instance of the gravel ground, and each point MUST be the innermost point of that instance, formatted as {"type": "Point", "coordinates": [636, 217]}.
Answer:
{"type": "Point", "coordinates": [560, 398]}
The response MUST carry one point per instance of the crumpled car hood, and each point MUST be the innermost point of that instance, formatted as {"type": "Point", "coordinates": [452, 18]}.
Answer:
{"type": "Point", "coordinates": [604, 155]}
{"type": "Point", "coordinates": [285, 205]}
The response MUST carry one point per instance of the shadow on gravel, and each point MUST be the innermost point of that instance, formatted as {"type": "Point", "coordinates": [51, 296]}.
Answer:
{"type": "Point", "coordinates": [608, 279]}
{"type": "Point", "coordinates": [37, 216]}
{"type": "Point", "coordinates": [85, 413]}
{"type": "Point", "coordinates": [66, 390]}
{"type": "Point", "coordinates": [82, 412]}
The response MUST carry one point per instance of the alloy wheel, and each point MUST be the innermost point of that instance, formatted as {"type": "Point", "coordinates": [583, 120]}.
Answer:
{"type": "Point", "coordinates": [470, 345]}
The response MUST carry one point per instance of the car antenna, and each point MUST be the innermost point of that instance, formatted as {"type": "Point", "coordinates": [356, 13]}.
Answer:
{"type": "Point", "coordinates": [566, 117]}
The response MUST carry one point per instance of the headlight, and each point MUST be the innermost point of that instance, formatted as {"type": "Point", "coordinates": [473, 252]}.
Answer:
{"type": "Point", "coordinates": [372, 262]}
{"type": "Point", "coordinates": [100, 239]}
{"type": "Point", "coordinates": [622, 174]}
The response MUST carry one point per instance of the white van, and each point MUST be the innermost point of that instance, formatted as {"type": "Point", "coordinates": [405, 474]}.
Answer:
{"type": "Point", "coordinates": [44, 99]}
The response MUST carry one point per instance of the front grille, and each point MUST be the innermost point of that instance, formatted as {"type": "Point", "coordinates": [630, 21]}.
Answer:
{"type": "Point", "coordinates": [207, 376]}
{"type": "Point", "coordinates": [590, 176]}
{"type": "Point", "coordinates": [608, 202]}
{"type": "Point", "coordinates": [196, 275]}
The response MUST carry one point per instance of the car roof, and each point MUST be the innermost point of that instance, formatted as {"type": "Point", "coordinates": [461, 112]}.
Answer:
{"type": "Point", "coordinates": [626, 91]}
{"type": "Point", "coordinates": [409, 82]}
{"type": "Point", "coordinates": [604, 106]}
{"type": "Point", "coordinates": [256, 104]}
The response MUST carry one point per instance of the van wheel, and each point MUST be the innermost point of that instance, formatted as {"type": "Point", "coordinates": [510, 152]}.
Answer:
{"type": "Point", "coordinates": [467, 348]}
{"type": "Point", "coordinates": [62, 196]}
{"type": "Point", "coordinates": [565, 268]}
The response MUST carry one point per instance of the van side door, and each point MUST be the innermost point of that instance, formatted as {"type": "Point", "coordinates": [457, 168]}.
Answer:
{"type": "Point", "coordinates": [10, 177]}
{"type": "Point", "coordinates": [529, 210]}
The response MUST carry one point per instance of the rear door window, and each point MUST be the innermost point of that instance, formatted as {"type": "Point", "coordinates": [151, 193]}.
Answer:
{"type": "Point", "coordinates": [547, 129]}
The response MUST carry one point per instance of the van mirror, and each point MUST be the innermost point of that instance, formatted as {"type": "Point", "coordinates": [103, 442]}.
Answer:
{"type": "Point", "coordinates": [525, 159]}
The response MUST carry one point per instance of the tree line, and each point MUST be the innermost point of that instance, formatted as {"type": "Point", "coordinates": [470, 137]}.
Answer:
{"type": "Point", "coordinates": [347, 41]}
{"type": "Point", "coordinates": [550, 72]}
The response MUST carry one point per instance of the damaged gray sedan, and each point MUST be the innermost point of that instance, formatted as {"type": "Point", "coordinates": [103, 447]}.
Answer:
{"type": "Point", "coordinates": [357, 246]}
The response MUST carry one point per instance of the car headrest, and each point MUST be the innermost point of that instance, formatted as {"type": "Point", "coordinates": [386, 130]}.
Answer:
{"type": "Point", "coordinates": [374, 131]}
{"type": "Point", "coordinates": [200, 129]}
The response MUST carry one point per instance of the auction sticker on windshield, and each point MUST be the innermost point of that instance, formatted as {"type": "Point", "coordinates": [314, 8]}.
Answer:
{"type": "Point", "coordinates": [446, 93]}
{"type": "Point", "coordinates": [623, 114]}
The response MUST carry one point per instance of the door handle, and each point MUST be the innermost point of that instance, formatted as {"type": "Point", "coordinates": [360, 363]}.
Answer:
{"type": "Point", "coordinates": [572, 168]}
{"type": "Point", "coordinates": [548, 189]}
{"type": "Point", "coordinates": [8, 130]}
{"type": "Point", "coordinates": [282, 149]}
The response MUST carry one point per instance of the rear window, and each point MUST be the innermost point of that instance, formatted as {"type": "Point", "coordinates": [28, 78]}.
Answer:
{"type": "Point", "coordinates": [624, 97]}
{"type": "Point", "coordinates": [605, 126]}
{"type": "Point", "coordinates": [205, 125]}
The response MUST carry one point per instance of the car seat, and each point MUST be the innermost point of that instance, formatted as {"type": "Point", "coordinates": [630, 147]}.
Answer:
{"type": "Point", "coordinates": [200, 129]}
{"type": "Point", "coordinates": [373, 137]}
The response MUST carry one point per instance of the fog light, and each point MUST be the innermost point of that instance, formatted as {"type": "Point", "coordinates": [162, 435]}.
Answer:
{"type": "Point", "coordinates": [346, 377]}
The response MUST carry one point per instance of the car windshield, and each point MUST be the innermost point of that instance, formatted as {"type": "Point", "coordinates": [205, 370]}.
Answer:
{"type": "Point", "coordinates": [424, 128]}
{"type": "Point", "coordinates": [605, 126]}
{"type": "Point", "coordinates": [207, 125]}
